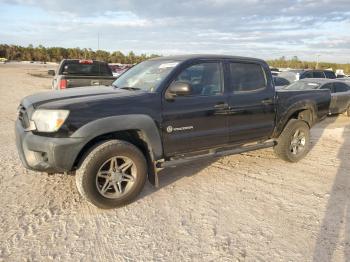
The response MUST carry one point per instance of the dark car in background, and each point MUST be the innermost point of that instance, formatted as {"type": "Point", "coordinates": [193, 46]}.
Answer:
{"type": "Point", "coordinates": [274, 71]}
{"type": "Point", "coordinates": [118, 69]}
{"type": "Point", "coordinates": [280, 82]}
{"type": "Point", "coordinates": [81, 72]}
{"type": "Point", "coordinates": [340, 92]}
{"type": "Point", "coordinates": [296, 74]}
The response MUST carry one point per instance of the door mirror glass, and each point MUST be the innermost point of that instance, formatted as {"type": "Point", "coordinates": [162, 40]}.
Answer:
{"type": "Point", "coordinates": [178, 89]}
{"type": "Point", "coordinates": [51, 72]}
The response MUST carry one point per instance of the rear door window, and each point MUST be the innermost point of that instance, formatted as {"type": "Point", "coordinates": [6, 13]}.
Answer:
{"type": "Point", "coordinates": [341, 87]}
{"type": "Point", "coordinates": [329, 74]}
{"type": "Point", "coordinates": [247, 77]}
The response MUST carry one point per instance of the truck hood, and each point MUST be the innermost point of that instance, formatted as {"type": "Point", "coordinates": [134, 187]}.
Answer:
{"type": "Point", "coordinates": [85, 93]}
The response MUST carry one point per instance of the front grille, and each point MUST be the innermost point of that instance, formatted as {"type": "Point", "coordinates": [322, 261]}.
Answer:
{"type": "Point", "coordinates": [23, 116]}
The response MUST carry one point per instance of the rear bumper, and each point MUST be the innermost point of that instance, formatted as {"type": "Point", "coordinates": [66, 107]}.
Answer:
{"type": "Point", "coordinates": [47, 154]}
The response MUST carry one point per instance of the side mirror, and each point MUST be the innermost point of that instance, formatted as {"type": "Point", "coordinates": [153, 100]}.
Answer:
{"type": "Point", "coordinates": [51, 72]}
{"type": "Point", "coordinates": [178, 89]}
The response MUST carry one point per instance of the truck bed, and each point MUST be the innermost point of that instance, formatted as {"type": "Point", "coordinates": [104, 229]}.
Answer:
{"type": "Point", "coordinates": [287, 100]}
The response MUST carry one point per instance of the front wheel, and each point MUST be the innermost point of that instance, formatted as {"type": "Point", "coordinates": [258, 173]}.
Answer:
{"type": "Point", "coordinates": [112, 175]}
{"type": "Point", "coordinates": [294, 142]}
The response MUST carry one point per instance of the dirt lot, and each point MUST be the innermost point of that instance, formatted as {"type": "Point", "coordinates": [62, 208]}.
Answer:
{"type": "Point", "coordinates": [249, 207]}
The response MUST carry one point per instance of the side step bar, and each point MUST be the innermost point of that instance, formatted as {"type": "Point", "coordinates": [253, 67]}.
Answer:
{"type": "Point", "coordinates": [216, 153]}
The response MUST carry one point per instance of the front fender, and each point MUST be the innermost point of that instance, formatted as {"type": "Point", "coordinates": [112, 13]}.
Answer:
{"type": "Point", "coordinates": [111, 124]}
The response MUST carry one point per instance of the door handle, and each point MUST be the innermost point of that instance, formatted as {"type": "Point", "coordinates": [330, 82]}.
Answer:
{"type": "Point", "coordinates": [221, 106]}
{"type": "Point", "coordinates": [267, 101]}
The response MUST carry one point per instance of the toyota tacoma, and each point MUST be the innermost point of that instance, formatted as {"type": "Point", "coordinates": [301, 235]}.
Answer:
{"type": "Point", "coordinates": [160, 113]}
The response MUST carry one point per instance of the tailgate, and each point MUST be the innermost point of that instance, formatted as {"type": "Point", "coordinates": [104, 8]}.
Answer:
{"type": "Point", "coordinates": [77, 81]}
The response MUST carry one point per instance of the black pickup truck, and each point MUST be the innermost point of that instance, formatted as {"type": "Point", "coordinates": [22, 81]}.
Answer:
{"type": "Point", "coordinates": [160, 113]}
{"type": "Point", "coordinates": [81, 72]}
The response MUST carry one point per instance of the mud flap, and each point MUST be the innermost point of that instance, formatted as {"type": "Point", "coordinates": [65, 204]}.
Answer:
{"type": "Point", "coordinates": [153, 175]}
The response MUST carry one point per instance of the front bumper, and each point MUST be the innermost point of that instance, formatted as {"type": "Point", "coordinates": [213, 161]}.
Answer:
{"type": "Point", "coordinates": [47, 154]}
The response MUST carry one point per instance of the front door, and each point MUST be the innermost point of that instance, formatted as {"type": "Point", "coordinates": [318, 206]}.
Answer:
{"type": "Point", "coordinates": [251, 101]}
{"type": "Point", "coordinates": [197, 121]}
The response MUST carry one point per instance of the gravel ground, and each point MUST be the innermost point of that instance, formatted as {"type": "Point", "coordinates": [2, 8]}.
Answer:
{"type": "Point", "coordinates": [248, 207]}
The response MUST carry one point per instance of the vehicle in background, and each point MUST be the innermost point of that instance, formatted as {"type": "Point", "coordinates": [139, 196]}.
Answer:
{"type": "Point", "coordinates": [118, 69]}
{"type": "Point", "coordinates": [280, 82]}
{"type": "Point", "coordinates": [81, 72]}
{"type": "Point", "coordinates": [3, 60]}
{"type": "Point", "coordinates": [297, 74]}
{"type": "Point", "coordinates": [274, 71]}
{"type": "Point", "coordinates": [340, 92]}
{"type": "Point", "coordinates": [163, 112]}
{"type": "Point", "coordinates": [340, 73]}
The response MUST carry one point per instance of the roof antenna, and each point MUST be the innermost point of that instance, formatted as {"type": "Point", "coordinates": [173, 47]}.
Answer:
{"type": "Point", "coordinates": [98, 40]}
{"type": "Point", "coordinates": [98, 48]}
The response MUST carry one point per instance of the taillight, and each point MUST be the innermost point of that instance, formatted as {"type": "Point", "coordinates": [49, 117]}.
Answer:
{"type": "Point", "coordinates": [63, 84]}
{"type": "Point", "coordinates": [85, 61]}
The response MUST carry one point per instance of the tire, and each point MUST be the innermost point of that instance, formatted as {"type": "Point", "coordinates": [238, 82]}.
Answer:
{"type": "Point", "coordinates": [285, 149]}
{"type": "Point", "coordinates": [101, 185]}
{"type": "Point", "coordinates": [348, 112]}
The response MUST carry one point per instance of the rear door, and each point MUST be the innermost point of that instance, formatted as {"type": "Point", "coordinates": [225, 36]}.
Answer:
{"type": "Point", "coordinates": [251, 101]}
{"type": "Point", "coordinates": [330, 74]}
{"type": "Point", "coordinates": [197, 121]}
{"type": "Point", "coordinates": [342, 94]}
{"type": "Point", "coordinates": [333, 105]}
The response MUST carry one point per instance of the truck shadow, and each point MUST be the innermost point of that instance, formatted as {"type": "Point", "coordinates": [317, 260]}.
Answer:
{"type": "Point", "coordinates": [317, 131]}
{"type": "Point", "coordinates": [337, 215]}
{"type": "Point", "coordinates": [170, 175]}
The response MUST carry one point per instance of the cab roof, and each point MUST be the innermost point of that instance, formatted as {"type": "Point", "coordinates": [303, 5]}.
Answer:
{"type": "Point", "coordinates": [207, 56]}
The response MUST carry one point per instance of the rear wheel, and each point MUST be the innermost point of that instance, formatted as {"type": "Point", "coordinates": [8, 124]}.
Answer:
{"type": "Point", "coordinates": [112, 175]}
{"type": "Point", "coordinates": [294, 142]}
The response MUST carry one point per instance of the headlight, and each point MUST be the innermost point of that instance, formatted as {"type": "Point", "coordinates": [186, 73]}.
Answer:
{"type": "Point", "coordinates": [49, 120]}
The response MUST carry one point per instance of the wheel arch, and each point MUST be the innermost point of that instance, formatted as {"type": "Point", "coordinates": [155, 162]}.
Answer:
{"type": "Point", "coordinates": [306, 111]}
{"type": "Point", "coordinates": [139, 130]}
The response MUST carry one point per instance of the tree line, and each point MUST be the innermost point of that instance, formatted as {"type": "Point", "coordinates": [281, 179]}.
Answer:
{"type": "Point", "coordinates": [294, 62]}
{"type": "Point", "coordinates": [56, 54]}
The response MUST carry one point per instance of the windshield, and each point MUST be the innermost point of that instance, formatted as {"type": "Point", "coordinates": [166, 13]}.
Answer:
{"type": "Point", "coordinates": [300, 85]}
{"type": "Point", "coordinates": [146, 76]}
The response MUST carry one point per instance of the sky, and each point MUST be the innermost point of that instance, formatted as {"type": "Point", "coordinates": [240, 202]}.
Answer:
{"type": "Point", "coordinates": [264, 29]}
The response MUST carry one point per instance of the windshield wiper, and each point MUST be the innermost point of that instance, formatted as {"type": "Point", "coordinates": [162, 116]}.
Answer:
{"type": "Point", "coordinates": [130, 88]}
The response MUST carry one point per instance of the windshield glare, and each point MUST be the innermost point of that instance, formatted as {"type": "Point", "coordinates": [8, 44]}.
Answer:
{"type": "Point", "coordinates": [299, 85]}
{"type": "Point", "coordinates": [146, 76]}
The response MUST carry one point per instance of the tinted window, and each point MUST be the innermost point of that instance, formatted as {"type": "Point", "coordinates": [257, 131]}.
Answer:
{"type": "Point", "coordinates": [340, 87]}
{"type": "Point", "coordinates": [330, 74]}
{"type": "Point", "coordinates": [307, 74]}
{"type": "Point", "coordinates": [204, 78]}
{"type": "Point", "coordinates": [279, 81]}
{"type": "Point", "coordinates": [328, 86]}
{"type": "Point", "coordinates": [247, 77]}
{"type": "Point", "coordinates": [74, 67]}
{"type": "Point", "coordinates": [318, 74]}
